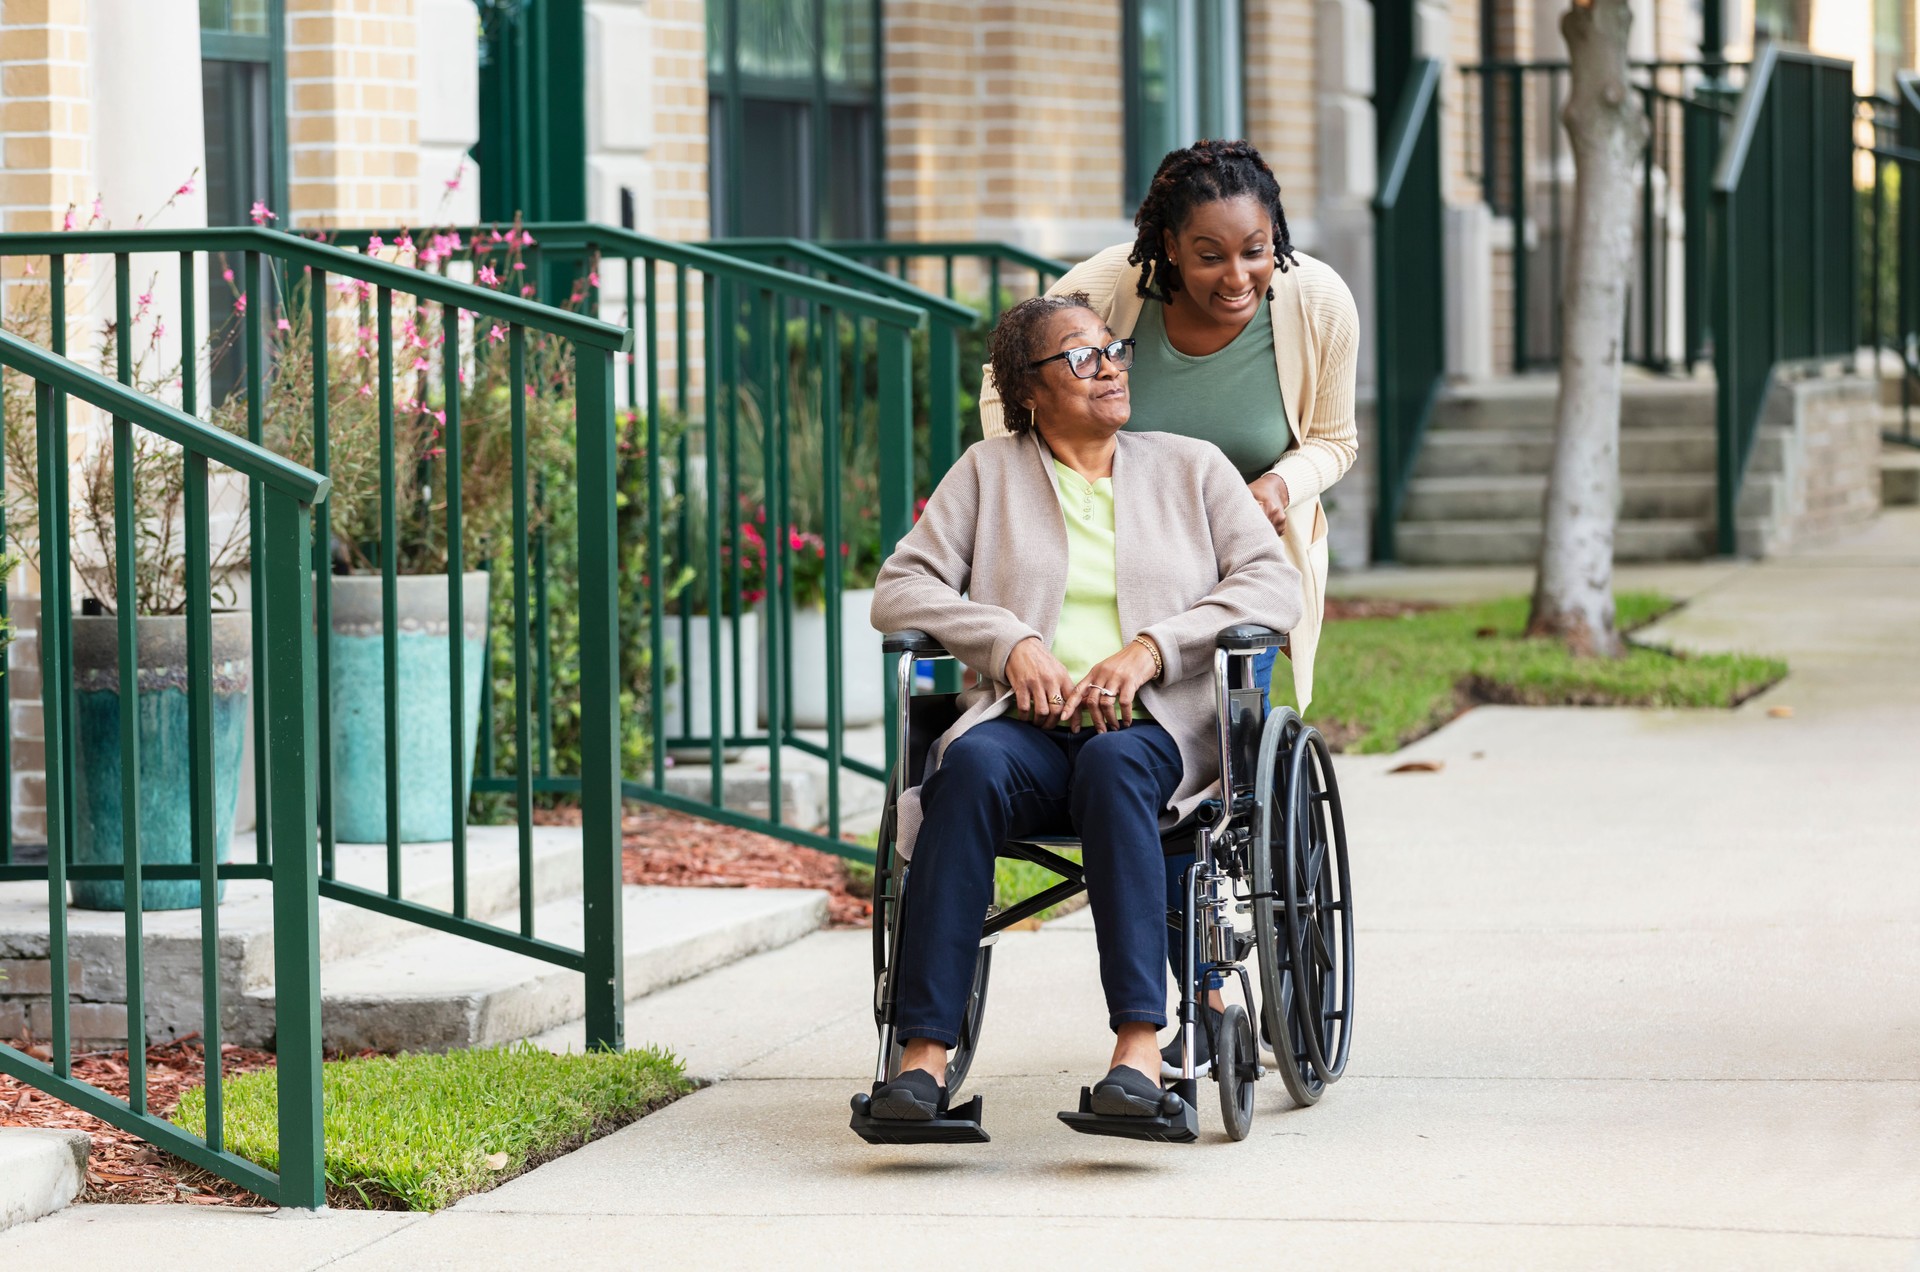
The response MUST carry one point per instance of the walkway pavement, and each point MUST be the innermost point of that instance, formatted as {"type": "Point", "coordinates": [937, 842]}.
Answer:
{"type": "Point", "coordinates": [1638, 989]}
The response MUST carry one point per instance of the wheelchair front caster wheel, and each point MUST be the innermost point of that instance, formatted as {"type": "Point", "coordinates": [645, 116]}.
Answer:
{"type": "Point", "coordinates": [1235, 1067]}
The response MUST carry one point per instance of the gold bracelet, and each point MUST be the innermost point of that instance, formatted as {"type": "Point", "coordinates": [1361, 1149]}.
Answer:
{"type": "Point", "coordinates": [1159, 668]}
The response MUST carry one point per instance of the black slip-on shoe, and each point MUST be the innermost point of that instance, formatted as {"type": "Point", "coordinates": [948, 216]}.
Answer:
{"type": "Point", "coordinates": [1126, 1092]}
{"type": "Point", "coordinates": [1202, 1048]}
{"type": "Point", "coordinates": [914, 1096]}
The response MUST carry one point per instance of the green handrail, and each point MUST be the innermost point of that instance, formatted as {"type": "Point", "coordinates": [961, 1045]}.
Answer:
{"type": "Point", "coordinates": [1786, 262]}
{"type": "Point", "coordinates": [285, 597]}
{"type": "Point", "coordinates": [1409, 293]}
{"type": "Point", "coordinates": [283, 673]}
{"type": "Point", "coordinates": [753, 375]}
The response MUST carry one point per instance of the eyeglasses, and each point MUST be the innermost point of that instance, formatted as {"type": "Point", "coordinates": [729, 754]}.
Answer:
{"type": "Point", "coordinates": [1084, 362]}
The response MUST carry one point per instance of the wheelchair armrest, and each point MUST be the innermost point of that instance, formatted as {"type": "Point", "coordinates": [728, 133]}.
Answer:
{"type": "Point", "coordinates": [911, 642]}
{"type": "Point", "coordinates": [1245, 637]}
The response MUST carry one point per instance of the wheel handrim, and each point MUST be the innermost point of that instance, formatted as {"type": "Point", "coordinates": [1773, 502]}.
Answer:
{"type": "Point", "coordinates": [1319, 911]}
{"type": "Point", "coordinates": [1279, 1022]}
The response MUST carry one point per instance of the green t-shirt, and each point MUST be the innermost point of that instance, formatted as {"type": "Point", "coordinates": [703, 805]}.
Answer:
{"type": "Point", "coordinates": [1089, 627]}
{"type": "Point", "coordinates": [1231, 397]}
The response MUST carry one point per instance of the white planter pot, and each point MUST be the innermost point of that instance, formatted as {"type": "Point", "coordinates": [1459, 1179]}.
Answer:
{"type": "Point", "coordinates": [688, 709]}
{"type": "Point", "coordinates": [862, 677]}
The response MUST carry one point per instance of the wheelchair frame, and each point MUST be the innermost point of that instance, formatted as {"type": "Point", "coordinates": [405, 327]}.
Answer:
{"type": "Point", "coordinates": [1278, 798]}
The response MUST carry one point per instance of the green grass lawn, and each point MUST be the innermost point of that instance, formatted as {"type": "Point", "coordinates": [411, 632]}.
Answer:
{"type": "Point", "coordinates": [419, 1132]}
{"type": "Point", "coordinates": [1379, 683]}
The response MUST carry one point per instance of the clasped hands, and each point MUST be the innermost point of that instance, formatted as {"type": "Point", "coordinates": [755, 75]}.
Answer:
{"type": "Point", "coordinates": [1045, 694]}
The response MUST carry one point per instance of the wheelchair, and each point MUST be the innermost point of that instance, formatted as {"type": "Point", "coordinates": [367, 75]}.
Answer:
{"type": "Point", "coordinates": [1269, 884]}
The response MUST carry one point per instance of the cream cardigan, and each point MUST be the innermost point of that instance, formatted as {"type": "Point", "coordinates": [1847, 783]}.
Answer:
{"type": "Point", "coordinates": [985, 567]}
{"type": "Point", "coordinates": [1316, 334]}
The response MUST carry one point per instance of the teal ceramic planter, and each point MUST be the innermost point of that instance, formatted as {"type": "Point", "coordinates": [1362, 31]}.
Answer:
{"type": "Point", "coordinates": [424, 743]}
{"type": "Point", "coordinates": [166, 836]}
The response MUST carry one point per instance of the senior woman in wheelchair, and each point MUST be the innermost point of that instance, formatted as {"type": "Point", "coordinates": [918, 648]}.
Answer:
{"type": "Point", "coordinates": [1083, 573]}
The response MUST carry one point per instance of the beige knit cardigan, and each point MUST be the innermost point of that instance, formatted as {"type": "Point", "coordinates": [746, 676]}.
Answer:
{"type": "Point", "coordinates": [1316, 334]}
{"type": "Point", "coordinates": [985, 567]}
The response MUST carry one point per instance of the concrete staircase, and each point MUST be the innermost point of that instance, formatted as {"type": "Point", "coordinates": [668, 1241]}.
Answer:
{"type": "Point", "coordinates": [1481, 479]}
{"type": "Point", "coordinates": [390, 985]}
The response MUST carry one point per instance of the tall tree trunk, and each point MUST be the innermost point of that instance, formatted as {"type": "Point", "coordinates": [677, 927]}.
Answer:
{"type": "Point", "coordinates": [1573, 596]}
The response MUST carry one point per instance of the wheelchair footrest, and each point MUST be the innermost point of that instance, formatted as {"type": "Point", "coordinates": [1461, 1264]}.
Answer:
{"type": "Point", "coordinates": [954, 1126]}
{"type": "Point", "coordinates": [1181, 1126]}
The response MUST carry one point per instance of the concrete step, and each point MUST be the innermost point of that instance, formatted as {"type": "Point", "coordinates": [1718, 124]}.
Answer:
{"type": "Point", "coordinates": [439, 991]}
{"type": "Point", "coordinates": [1899, 476]}
{"type": "Point", "coordinates": [41, 1171]}
{"type": "Point", "coordinates": [1518, 542]}
{"type": "Point", "coordinates": [1529, 452]}
{"type": "Point", "coordinates": [97, 939]}
{"type": "Point", "coordinates": [1528, 402]}
{"type": "Point", "coordinates": [1644, 496]}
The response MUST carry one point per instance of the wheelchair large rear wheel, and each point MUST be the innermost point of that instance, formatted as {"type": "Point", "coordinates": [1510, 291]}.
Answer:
{"type": "Point", "coordinates": [1280, 1024]}
{"type": "Point", "coordinates": [1319, 907]}
{"type": "Point", "coordinates": [888, 910]}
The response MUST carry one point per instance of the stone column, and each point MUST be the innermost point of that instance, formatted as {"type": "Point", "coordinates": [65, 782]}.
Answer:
{"type": "Point", "coordinates": [353, 118]}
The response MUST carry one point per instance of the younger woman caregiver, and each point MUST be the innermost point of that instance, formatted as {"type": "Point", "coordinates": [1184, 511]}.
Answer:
{"type": "Point", "coordinates": [1239, 340]}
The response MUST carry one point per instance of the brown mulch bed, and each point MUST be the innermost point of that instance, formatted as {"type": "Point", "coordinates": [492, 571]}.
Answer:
{"type": "Point", "coordinates": [121, 1167]}
{"type": "Point", "coordinates": [1346, 607]}
{"type": "Point", "coordinates": [673, 850]}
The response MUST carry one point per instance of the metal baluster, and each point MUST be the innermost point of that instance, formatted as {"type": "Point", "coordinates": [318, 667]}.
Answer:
{"type": "Point", "coordinates": [127, 609]}
{"type": "Point", "coordinates": [200, 780]}
{"type": "Point", "coordinates": [522, 616]}
{"type": "Point", "coordinates": [389, 588]}
{"type": "Point", "coordinates": [456, 603]}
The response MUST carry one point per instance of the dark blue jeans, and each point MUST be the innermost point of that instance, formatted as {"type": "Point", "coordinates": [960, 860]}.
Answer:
{"type": "Point", "coordinates": [1004, 779]}
{"type": "Point", "coordinates": [1177, 866]}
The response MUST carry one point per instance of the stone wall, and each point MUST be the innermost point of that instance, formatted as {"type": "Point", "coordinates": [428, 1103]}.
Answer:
{"type": "Point", "coordinates": [1816, 465]}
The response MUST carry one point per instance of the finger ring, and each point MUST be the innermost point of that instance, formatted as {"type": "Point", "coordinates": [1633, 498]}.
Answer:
{"type": "Point", "coordinates": [1057, 700]}
{"type": "Point", "coordinates": [1111, 693]}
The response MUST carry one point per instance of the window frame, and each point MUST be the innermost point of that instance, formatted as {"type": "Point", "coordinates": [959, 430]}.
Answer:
{"type": "Point", "coordinates": [269, 50]}
{"type": "Point", "coordinates": [1208, 82]}
{"type": "Point", "coordinates": [729, 88]}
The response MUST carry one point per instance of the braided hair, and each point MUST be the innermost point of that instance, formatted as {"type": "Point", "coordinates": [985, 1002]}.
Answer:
{"type": "Point", "coordinates": [1011, 351]}
{"type": "Point", "coordinates": [1205, 172]}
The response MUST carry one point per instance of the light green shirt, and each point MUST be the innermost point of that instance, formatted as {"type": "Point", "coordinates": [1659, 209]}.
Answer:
{"type": "Point", "coordinates": [1230, 398]}
{"type": "Point", "coordinates": [1089, 629]}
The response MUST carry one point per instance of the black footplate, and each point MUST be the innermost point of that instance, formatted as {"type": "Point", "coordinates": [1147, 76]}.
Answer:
{"type": "Point", "coordinates": [952, 1126]}
{"type": "Point", "coordinates": [1176, 1123]}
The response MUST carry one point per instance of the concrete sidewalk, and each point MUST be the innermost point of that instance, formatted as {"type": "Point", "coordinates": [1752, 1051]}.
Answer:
{"type": "Point", "coordinates": [1637, 989]}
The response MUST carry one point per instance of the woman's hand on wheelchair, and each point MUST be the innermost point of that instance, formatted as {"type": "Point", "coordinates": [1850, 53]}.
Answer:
{"type": "Point", "coordinates": [1122, 674]}
{"type": "Point", "coordinates": [1043, 692]}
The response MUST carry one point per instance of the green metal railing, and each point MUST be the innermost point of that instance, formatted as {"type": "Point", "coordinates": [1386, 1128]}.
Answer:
{"type": "Point", "coordinates": [1786, 255]}
{"type": "Point", "coordinates": [730, 388]}
{"type": "Point", "coordinates": [1518, 105]}
{"type": "Point", "coordinates": [283, 280]}
{"type": "Point", "coordinates": [1410, 292]}
{"type": "Point", "coordinates": [1892, 226]}
{"type": "Point", "coordinates": [282, 502]}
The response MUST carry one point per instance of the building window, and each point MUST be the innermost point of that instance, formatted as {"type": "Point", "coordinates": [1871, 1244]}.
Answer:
{"type": "Point", "coordinates": [240, 78]}
{"type": "Point", "coordinates": [1184, 81]}
{"type": "Point", "coordinates": [794, 118]}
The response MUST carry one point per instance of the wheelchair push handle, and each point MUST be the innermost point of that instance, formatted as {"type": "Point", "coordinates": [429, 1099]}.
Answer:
{"type": "Point", "coordinates": [913, 642]}
{"type": "Point", "coordinates": [1249, 638]}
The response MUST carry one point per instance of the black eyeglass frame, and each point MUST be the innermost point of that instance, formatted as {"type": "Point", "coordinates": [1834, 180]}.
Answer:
{"type": "Point", "coordinates": [1125, 345]}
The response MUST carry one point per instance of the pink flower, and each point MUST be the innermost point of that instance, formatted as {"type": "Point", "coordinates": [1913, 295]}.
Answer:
{"type": "Point", "coordinates": [186, 187]}
{"type": "Point", "coordinates": [366, 333]}
{"type": "Point", "coordinates": [453, 183]}
{"type": "Point", "coordinates": [419, 364]}
{"type": "Point", "coordinates": [366, 390]}
{"type": "Point", "coordinates": [529, 390]}
{"type": "Point", "coordinates": [441, 416]}
{"type": "Point", "coordinates": [96, 207]}
{"type": "Point", "coordinates": [284, 325]}
{"type": "Point", "coordinates": [374, 243]}
{"type": "Point", "coordinates": [463, 377]}
{"type": "Point", "coordinates": [67, 222]}
{"type": "Point", "coordinates": [593, 279]}
{"type": "Point", "coordinates": [159, 328]}
{"type": "Point", "coordinates": [227, 274]}
{"type": "Point", "coordinates": [31, 270]}
{"type": "Point", "coordinates": [498, 333]}
{"type": "Point", "coordinates": [261, 213]}
{"type": "Point", "coordinates": [527, 290]}
{"type": "Point", "coordinates": [519, 264]}
{"type": "Point", "coordinates": [240, 305]}
{"type": "Point", "coordinates": [575, 299]}
{"type": "Point", "coordinates": [488, 277]}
